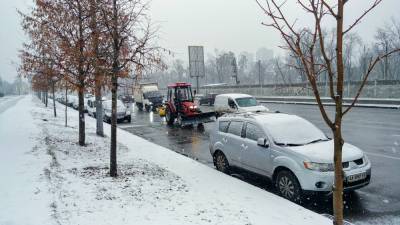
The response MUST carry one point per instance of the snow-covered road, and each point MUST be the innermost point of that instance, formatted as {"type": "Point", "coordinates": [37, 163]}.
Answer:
{"type": "Point", "coordinates": [8, 101]}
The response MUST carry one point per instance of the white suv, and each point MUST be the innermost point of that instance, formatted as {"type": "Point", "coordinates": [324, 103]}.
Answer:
{"type": "Point", "coordinates": [123, 112]}
{"type": "Point", "coordinates": [295, 154]}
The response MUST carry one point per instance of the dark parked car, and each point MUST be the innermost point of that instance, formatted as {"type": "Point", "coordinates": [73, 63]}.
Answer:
{"type": "Point", "coordinates": [1, 95]}
{"type": "Point", "coordinates": [207, 99]}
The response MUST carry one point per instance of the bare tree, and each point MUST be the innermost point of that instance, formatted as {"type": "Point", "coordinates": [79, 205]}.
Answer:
{"type": "Point", "coordinates": [130, 33]}
{"type": "Point", "coordinates": [332, 64]}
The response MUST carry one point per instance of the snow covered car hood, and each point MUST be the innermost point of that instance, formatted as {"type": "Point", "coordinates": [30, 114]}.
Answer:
{"type": "Point", "coordinates": [260, 108]}
{"type": "Point", "coordinates": [322, 152]}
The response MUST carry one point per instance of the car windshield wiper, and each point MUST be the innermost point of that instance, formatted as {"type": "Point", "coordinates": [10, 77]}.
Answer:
{"type": "Point", "coordinates": [288, 144]}
{"type": "Point", "coordinates": [317, 140]}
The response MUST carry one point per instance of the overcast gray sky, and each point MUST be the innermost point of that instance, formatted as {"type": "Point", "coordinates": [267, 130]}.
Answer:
{"type": "Point", "coordinates": [230, 25]}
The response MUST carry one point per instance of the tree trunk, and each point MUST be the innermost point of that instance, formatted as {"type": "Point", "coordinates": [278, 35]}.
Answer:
{"type": "Point", "coordinates": [46, 99]}
{"type": "Point", "coordinates": [81, 110]}
{"type": "Point", "coordinates": [338, 183]}
{"type": "Point", "coordinates": [337, 129]}
{"type": "Point", "coordinates": [54, 99]}
{"type": "Point", "coordinates": [113, 152]}
{"type": "Point", "coordinates": [81, 90]}
{"type": "Point", "coordinates": [66, 107]}
{"type": "Point", "coordinates": [99, 112]}
{"type": "Point", "coordinates": [98, 78]}
{"type": "Point", "coordinates": [114, 81]}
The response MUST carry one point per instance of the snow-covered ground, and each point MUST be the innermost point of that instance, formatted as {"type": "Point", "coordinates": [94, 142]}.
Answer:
{"type": "Point", "coordinates": [46, 178]}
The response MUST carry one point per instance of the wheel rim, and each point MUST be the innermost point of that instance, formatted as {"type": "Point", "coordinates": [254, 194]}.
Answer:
{"type": "Point", "coordinates": [286, 187]}
{"type": "Point", "coordinates": [221, 164]}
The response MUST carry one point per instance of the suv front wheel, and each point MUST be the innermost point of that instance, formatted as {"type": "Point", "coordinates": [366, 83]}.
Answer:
{"type": "Point", "coordinates": [288, 186]}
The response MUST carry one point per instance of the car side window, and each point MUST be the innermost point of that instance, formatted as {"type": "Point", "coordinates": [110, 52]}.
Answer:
{"type": "Point", "coordinates": [235, 127]}
{"type": "Point", "coordinates": [253, 132]}
{"type": "Point", "coordinates": [223, 125]}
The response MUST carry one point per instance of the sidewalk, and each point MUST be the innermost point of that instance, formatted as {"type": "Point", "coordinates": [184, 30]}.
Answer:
{"type": "Point", "coordinates": [49, 179]}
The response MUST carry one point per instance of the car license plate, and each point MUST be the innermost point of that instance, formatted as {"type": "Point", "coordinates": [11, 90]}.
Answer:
{"type": "Point", "coordinates": [356, 177]}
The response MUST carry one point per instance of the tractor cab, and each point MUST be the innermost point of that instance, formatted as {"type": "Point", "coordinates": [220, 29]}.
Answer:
{"type": "Point", "coordinates": [180, 105]}
{"type": "Point", "coordinates": [180, 94]}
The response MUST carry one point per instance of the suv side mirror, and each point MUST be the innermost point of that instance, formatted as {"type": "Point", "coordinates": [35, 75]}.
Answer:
{"type": "Point", "coordinates": [263, 142]}
{"type": "Point", "coordinates": [231, 104]}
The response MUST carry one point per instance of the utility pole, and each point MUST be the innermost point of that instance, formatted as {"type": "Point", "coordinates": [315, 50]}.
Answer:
{"type": "Point", "coordinates": [197, 84]}
{"type": "Point", "coordinates": [259, 71]}
{"type": "Point", "coordinates": [235, 71]}
{"type": "Point", "coordinates": [259, 77]}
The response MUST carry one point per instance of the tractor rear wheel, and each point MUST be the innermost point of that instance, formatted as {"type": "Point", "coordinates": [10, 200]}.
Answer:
{"type": "Point", "coordinates": [169, 116]}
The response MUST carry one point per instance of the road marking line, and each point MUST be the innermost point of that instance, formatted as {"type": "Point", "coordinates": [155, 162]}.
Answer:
{"type": "Point", "coordinates": [384, 156]}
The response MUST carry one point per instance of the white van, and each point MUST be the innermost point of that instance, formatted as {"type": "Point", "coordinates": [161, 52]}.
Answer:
{"type": "Point", "coordinates": [230, 103]}
{"type": "Point", "coordinates": [91, 106]}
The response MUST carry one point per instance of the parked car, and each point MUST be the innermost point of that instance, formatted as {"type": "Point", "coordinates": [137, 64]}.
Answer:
{"type": "Point", "coordinates": [91, 106]}
{"type": "Point", "coordinates": [123, 113]}
{"type": "Point", "coordinates": [291, 151]}
{"type": "Point", "coordinates": [230, 103]}
{"type": "Point", "coordinates": [126, 99]}
{"type": "Point", "coordinates": [1, 94]}
{"type": "Point", "coordinates": [70, 100]}
{"type": "Point", "coordinates": [74, 101]}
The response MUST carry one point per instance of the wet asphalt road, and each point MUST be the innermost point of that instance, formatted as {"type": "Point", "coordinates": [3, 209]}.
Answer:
{"type": "Point", "coordinates": [376, 131]}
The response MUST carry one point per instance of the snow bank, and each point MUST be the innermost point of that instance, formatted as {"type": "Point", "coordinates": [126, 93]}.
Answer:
{"type": "Point", "coordinates": [52, 180]}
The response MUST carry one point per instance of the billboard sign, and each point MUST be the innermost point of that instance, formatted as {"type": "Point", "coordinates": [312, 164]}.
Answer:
{"type": "Point", "coordinates": [196, 61]}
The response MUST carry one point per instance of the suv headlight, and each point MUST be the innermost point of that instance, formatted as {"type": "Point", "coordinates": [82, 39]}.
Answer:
{"type": "Point", "coordinates": [366, 160]}
{"type": "Point", "coordinates": [321, 167]}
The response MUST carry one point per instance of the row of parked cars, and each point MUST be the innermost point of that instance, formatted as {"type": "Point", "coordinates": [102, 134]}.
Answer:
{"type": "Point", "coordinates": [291, 151]}
{"type": "Point", "coordinates": [123, 112]}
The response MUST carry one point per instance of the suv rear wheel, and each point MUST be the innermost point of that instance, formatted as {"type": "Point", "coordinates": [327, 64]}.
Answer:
{"type": "Point", "coordinates": [288, 186]}
{"type": "Point", "coordinates": [221, 163]}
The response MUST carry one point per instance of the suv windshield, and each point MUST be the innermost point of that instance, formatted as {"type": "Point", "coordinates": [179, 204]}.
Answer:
{"type": "Point", "coordinates": [294, 131]}
{"type": "Point", "coordinates": [246, 102]}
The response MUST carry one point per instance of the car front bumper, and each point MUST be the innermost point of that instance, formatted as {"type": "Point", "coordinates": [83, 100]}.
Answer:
{"type": "Point", "coordinates": [316, 181]}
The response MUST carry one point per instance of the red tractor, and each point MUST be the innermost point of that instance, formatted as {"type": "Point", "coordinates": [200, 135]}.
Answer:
{"type": "Point", "coordinates": [180, 106]}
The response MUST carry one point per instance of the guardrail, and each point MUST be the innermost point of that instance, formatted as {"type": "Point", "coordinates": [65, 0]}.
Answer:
{"type": "Point", "coordinates": [305, 100]}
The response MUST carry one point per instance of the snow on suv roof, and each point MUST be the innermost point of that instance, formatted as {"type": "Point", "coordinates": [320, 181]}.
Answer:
{"type": "Point", "coordinates": [234, 95]}
{"type": "Point", "coordinates": [265, 117]}
{"type": "Point", "coordinates": [275, 118]}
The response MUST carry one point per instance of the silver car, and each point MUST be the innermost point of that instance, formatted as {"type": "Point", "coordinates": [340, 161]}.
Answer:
{"type": "Point", "coordinates": [296, 155]}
